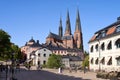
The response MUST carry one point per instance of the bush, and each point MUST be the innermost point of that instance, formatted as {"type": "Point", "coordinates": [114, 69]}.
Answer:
{"type": "Point", "coordinates": [102, 75]}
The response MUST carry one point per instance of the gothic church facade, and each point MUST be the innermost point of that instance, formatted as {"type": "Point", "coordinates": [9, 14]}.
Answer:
{"type": "Point", "coordinates": [68, 40]}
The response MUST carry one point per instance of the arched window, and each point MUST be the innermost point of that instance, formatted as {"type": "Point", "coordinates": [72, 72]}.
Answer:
{"type": "Point", "coordinates": [118, 60]}
{"type": "Point", "coordinates": [103, 46]}
{"type": "Point", "coordinates": [39, 55]}
{"type": "Point", "coordinates": [117, 43]}
{"type": "Point", "coordinates": [44, 55]}
{"type": "Point", "coordinates": [91, 61]}
{"type": "Point", "coordinates": [109, 45]}
{"type": "Point", "coordinates": [44, 62]}
{"type": "Point", "coordinates": [96, 47]}
{"type": "Point", "coordinates": [103, 61]}
{"type": "Point", "coordinates": [91, 49]}
{"type": "Point", "coordinates": [96, 61]}
{"type": "Point", "coordinates": [110, 61]}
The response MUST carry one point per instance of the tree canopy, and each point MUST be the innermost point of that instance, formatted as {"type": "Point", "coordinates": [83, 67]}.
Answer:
{"type": "Point", "coordinates": [5, 45]}
{"type": "Point", "coordinates": [54, 61]}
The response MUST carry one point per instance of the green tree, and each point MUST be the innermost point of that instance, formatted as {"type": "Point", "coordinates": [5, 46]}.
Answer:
{"type": "Point", "coordinates": [54, 61]}
{"type": "Point", "coordinates": [17, 53]}
{"type": "Point", "coordinates": [4, 45]}
{"type": "Point", "coordinates": [86, 62]}
{"type": "Point", "coordinates": [86, 59]}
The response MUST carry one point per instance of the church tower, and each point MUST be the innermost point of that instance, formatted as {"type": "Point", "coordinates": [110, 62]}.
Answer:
{"type": "Point", "coordinates": [68, 37]}
{"type": "Point", "coordinates": [78, 39]}
{"type": "Point", "coordinates": [68, 26]}
{"type": "Point", "coordinates": [60, 29]}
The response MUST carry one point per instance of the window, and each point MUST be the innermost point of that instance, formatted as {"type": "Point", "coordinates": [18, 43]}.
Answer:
{"type": "Point", "coordinates": [91, 61]}
{"type": "Point", "coordinates": [44, 49]}
{"type": "Point", "coordinates": [103, 61]}
{"type": "Point", "coordinates": [96, 61]}
{"type": "Point", "coordinates": [96, 47]}
{"type": "Point", "coordinates": [44, 62]}
{"type": "Point", "coordinates": [38, 63]}
{"type": "Point", "coordinates": [117, 43]}
{"type": "Point", "coordinates": [91, 50]}
{"type": "Point", "coordinates": [109, 45]}
{"type": "Point", "coordinates": [103, 33]}
{"type": "Point", "coordinates": [118, 28]}
{"type": "Point", "coordinates": [118, 61]}
{"type": "Point", "coordinates": [110, 61]}
{"type": "Point", "coordinates": [39, 55]}
{"type": "Point", "coordinates": [44, 55]}
{"type": "Point", "coordinates": [103, 46]}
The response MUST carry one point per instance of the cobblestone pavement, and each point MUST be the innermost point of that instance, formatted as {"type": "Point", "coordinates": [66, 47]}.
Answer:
{"type": "Point", "coordinates": [78, 74]}
{"type": "Point", "coordinates": [50, 74]}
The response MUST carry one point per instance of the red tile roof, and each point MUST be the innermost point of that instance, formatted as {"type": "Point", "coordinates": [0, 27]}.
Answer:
{"type": "Point", "coordinates": [111, 30]}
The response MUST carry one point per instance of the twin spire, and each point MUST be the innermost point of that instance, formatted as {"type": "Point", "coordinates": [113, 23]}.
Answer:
{"type": "Point", "coordinates": [68, 26]}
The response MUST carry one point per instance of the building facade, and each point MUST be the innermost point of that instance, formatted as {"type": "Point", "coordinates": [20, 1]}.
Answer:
{"type": "Point", "coordinates": [29, 47]}
{"type": "Point", "coordinates": [104, 48]}
{"type": "Point", "coordinates": [40, 56]}
{"type": "Point", "coordinates": [68, 40]}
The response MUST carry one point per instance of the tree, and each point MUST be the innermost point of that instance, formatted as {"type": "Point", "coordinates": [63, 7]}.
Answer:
{"type": "Point", "coordinates": [54, 61]}
{"type": "Point", "coordinates": [4, 45]}
{"type": "Point", "coordinates": [17, 53]}
{"type": "Point", "coordinates": [86, 59]}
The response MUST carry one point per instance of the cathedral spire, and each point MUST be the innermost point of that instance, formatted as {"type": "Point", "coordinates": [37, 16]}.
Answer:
{"type": "Point", "coordinates": [78, 39]}
{"type": "Point", "coordinates": [60, 28]}
{"type": "Point", "coordinates": [78, 23]}
{"type": "Point", "coordinates": [68, 26]}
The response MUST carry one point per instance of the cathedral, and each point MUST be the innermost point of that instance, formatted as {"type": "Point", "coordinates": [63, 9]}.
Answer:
{"type": "Point", "coordinates": [59, 44]}
{"type": "Point", "coordinates": [68, 40]}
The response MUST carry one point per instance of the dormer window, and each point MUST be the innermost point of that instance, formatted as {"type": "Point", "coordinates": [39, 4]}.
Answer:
{"type": "Point", "coordinates": [103, 33]}
{"type": "Point", "coordinates": [118, 28]}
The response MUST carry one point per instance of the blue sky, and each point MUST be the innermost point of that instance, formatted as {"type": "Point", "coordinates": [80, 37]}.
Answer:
{"type": "Point", "coordinates": [23, 19]}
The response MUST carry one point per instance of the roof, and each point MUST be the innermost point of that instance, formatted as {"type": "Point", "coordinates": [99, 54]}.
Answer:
{"type": "Point", "coordinates": [67, 37]}
{"type": "Point", "coordinates": [72, 58]}
{"type": "Point", "coordinates": [107, 31]}
{"type": "Point", "coordinates": [52, 35]}
{"type": "Point", "coordinates": [32, 40]}
{"type": "Point", "coordinates": [35, 45]}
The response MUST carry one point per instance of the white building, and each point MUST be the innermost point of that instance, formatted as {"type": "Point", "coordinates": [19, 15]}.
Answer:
{"type": "Point", "coordinates": [40, 56]}
{"type": "Point", "coordinates": [104, 48]}
{"type": "Point", "coordinates": [71, 61]}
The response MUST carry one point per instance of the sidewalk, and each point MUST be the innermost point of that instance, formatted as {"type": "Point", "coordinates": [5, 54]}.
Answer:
{"type": "Point", "coordinates": [87, 75]}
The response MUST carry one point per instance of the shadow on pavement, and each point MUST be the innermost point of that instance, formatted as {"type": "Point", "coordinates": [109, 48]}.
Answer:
{"type": "Point", "coordinates": [43, 75]}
